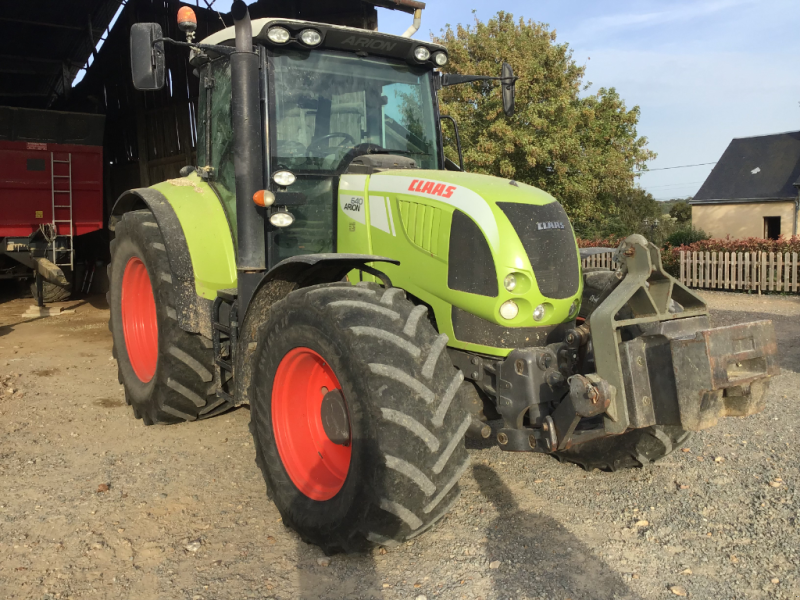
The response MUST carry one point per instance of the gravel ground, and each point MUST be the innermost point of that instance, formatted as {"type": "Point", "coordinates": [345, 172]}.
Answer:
{"type": "Point", "coordinates": [95, 505]}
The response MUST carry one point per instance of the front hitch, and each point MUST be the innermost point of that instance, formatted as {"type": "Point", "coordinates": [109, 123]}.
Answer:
{"type": "Point", "coordinates": [646, 356]}
{"type": "Point", "coordinates": [652, 342]}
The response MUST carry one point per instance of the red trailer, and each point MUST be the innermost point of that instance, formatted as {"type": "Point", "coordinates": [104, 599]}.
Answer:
{"type": "Point", "coordinates": [51, 191]}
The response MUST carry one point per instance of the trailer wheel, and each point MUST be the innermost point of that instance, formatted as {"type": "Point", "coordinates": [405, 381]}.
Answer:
{"type": "Point", "coordinates": [354, 417]}
{"type": "Point", "coordinates": [52, 292]}
{"type": "Point", "coordinates": [167, 372]}
{"type": "Point", "coordinates": [636, 448]}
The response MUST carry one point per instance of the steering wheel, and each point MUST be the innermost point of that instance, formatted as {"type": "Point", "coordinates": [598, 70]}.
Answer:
{"type": "Point", "coordinates": [316, 147]}
{"type": "Point", "coordinates": [291, 148]}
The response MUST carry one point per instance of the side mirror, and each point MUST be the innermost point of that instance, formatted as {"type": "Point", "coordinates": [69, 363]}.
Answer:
{"type": "Point", "coordinates": [147, 57]}
{"type": "Point", "coordinates": [509, 83]}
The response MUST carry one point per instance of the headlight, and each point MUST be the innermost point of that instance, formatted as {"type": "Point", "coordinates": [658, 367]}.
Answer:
{"type": "Point", "coordinates": [538, 313]}
{"type": "Point", "coordinates": [279, 35]}
{"type": "Point", "coordinates": [310, 37]}
{"type": "Point", "coordinates": [281, 218]}
{"type": "Point", "coordinates": [509, 310]}
{"type": "Point", "coordinates": [284, 178]}
{"type": "Point", "coordinates": [510, 282]}
{"type": "Point", "coordinates": [440, 58]}
{"type": "Point", "coordinates": [421, 53]}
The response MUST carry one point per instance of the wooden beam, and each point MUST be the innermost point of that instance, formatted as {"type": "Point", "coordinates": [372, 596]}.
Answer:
{"type": "Point", "coordinates": [66, 80]}
{"type": "Point", "coordinates": [33, 59]}
{"type": "Point", "coordinates": [23, 94]}
{"type": "Point", "coordinates": [91, 36]}
{"type": "Point", "coordinates": [4, 68]}
{"type": "Point", "coordinates": [43, 24]}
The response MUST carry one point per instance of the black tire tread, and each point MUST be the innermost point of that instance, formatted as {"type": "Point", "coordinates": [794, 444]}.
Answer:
{"type": "Point", "coordinates": [635, 448]}
{"type": "Point", "coordinates": [52, 292]}
{"type": "Point", "coordinates": [421, 472]}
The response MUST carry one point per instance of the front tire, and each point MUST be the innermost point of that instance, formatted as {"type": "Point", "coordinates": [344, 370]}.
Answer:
{"type": "Point", "coordinates": [167, 372]}
{"type": "Point", "coordinates": [399, 474]}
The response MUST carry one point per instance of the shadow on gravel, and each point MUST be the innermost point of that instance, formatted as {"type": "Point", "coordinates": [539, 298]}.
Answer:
{"type": "Point", "coordinates": [538, 555]}
{"type": "Point", "coordinates": [787, 330]}
{"type": "Point", "coordinates": [352, 576]}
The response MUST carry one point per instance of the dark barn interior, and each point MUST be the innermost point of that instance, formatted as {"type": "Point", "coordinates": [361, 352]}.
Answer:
{"type": "Point", "coordinates": [148, 136]}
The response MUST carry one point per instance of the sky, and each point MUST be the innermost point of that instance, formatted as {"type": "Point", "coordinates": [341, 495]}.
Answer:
{"type": "Point", "coordinates": [701, 71]}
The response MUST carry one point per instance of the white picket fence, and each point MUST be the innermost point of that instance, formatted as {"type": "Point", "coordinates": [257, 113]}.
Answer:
{"type": "Point", "coordinates": [757, 271]}
{"type": "Point", "coordinates": [754, 271]}
{"type": "Point", "coordinates": [599, 260]}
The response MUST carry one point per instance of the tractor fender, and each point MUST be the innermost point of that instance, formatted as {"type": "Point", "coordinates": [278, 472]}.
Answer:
{"type": "Point", "coordinates": [193, 312]}
{"type": "Point", "coordinates": [285, 277]}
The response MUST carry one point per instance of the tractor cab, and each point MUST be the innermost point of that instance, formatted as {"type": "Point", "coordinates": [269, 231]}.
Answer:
{"type": "Point", "coordinates": [329, 95]}
{"type": "Point", "coordinates": [325, 105]}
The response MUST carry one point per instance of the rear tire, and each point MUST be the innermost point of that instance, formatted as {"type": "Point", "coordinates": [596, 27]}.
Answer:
{"type": "Point", "coordinates": [52, 292]}
{"type": "Point", "coordinates": [406, 425]}
{"type": "Point", "coordinates": [635, 448]}
{"type": "Point", "coordinates": [167, 372]}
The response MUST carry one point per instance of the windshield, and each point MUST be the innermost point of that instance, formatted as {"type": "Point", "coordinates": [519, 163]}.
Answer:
{"type": "Point", "coordinates": [330, 107]}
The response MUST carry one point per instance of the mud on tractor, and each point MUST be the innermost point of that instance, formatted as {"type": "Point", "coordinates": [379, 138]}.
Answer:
{"type": "Point", "coordinates": [373, 303]}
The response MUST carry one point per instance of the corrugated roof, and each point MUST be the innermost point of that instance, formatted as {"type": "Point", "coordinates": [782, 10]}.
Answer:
{"type": "Point", "coordinates": [759, 169]}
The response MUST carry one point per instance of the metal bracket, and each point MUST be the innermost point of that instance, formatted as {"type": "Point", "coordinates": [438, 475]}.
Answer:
{"type": "Point", "coordinates": [231, 330]}
{"type": "Point", "coordinates": [644, 296]}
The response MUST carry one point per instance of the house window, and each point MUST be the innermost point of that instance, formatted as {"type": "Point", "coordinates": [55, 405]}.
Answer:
{"type": "Point", "coordinates": [772, 228]}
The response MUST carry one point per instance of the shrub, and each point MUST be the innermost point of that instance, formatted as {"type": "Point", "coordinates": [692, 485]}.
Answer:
{"type": "Point", "coordinates": [784, 244]}
{"type": "Point", "coordinates": [607, 242]}
{"type": "Point", "coordinates": [686, 236]}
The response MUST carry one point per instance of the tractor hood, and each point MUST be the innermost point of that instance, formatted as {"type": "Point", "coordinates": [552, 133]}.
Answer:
{"type": "Point", "coordinates": [475, 242]}
{"type": "Point", "coordinates": [475, 195]}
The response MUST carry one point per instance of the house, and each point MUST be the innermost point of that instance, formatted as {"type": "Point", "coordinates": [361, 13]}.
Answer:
{"type": "Point", "coordinates": [753, 189]}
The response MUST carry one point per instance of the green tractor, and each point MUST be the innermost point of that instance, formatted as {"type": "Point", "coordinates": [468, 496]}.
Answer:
{"type": "Point", "coordinates": [373, 303]}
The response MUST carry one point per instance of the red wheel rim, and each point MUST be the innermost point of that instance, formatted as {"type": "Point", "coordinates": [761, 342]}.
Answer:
{"type": "Point", "coordinates": [317, 466]}
{"type": "Point", "coordinates": [139, 319]}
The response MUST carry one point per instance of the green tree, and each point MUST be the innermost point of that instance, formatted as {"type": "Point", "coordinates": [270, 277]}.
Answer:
{"type": "Point", "coordinates": [681, 212]}
{"type": "Point", "coordinates": [582, 149]}
{"type": "Point", "coordinates": [632, 211]}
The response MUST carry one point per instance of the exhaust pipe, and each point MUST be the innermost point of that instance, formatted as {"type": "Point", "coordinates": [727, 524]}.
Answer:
{"type": "Point", "coordinates": [415, 25]}
{"type": "Point", "coordinates": [247, 155]}
{"type": "Point", "coordinates": [242, 27]}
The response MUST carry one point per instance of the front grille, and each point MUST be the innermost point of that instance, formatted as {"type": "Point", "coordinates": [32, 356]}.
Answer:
{"type": "Point", "coordinates": [470, 265]}
{"type": "Point", "coordinates": [475, 330]}
{"type": "Point", "coordinates": [548, 239]}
